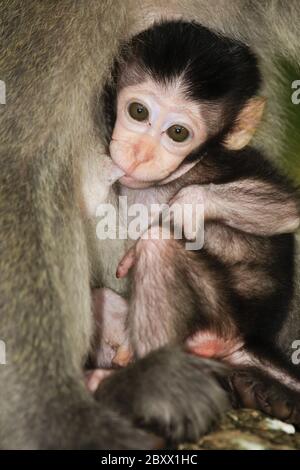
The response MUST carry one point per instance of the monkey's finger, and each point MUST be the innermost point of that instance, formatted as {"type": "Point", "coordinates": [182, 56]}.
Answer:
{"type": "Point", "coordinates": [126, 263]}
{"type": "Point", "coordinates": [94, 377]}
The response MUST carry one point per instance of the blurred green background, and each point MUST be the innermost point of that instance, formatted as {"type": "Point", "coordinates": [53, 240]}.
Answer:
{"type": "Point", "coordinates": [291, 156]}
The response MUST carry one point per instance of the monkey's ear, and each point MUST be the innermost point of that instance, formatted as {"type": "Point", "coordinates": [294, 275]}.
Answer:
{"type": "Point", "coordinates": [246, 125]}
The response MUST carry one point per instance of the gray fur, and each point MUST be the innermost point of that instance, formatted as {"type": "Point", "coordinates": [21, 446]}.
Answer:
{"type": "Point", "coordinates": [54, 58]}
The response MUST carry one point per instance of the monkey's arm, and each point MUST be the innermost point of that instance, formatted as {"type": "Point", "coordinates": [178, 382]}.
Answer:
{"type": "Point", "coordinates": [253, 206]}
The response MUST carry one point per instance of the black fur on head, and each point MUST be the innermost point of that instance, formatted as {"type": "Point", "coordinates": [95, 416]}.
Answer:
{"type": "Point", "coordinates": [211, 66]}
{"type": "Point", "coordinates": [213, 69]}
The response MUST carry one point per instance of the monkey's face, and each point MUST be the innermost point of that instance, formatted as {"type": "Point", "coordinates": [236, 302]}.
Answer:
{"type": "Point", "coordinates": [156, 128]}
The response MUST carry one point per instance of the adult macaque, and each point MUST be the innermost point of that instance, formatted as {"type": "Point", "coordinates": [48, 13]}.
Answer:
{"type": "Point", "coordinates": [183, 122]}
{"type": "Point", "coordinates": [54, 58]}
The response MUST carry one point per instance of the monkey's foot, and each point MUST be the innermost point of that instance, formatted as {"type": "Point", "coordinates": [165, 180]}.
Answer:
{"type": "Point", "coordinates": [260, 392]}
{"type": "Point", "coordinates": [123, 356]}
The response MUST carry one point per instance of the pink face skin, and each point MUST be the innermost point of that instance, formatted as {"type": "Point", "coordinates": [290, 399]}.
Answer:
{"type": "Point", "coordinates": [143, 149]}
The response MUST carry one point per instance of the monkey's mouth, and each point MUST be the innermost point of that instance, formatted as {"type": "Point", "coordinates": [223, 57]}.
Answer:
{"type": "Point", "coordinates": [131, 182]}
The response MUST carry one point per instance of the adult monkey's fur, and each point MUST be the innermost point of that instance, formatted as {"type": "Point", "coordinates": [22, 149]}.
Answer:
{"type": "Point", "coordinates": [54, 59]}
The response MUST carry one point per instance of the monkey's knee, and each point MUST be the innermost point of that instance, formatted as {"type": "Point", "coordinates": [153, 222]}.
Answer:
{"type": "Point", "coordinates": [155, 243]}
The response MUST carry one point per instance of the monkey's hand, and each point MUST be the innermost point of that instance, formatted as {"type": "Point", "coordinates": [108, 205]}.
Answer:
{"type": "Point", "coordinates": [173, 393]}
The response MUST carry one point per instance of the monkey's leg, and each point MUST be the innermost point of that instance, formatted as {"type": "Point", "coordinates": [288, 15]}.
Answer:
{"type": "Point", "coordinates": [169, 392]}
{"type": "Point", "coordinates": [162, 267]}
{"type": "Point", "coordinates": [173, 393]}
{"type": "Point", "coordinates": [175, 293]}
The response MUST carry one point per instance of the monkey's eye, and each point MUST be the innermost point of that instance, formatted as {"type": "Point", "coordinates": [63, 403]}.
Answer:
{"type": "Point", "coordinates": [178, 133]}
{"type": "Point", "coordinates": [138, 111]}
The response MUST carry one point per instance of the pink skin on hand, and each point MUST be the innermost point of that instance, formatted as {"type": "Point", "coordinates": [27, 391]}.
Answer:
{"type": "Point", "coordinates": [93, 378]}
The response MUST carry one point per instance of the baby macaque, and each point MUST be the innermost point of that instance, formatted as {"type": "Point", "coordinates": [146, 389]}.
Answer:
{"type": "Point", "coordinates": [183, 108]}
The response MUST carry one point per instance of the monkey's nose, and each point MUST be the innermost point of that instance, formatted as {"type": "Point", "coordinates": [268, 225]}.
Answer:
{"type": "Point", "coordinates": [142, 157]}
{"type": "Point", "coordinates": [138, 159]}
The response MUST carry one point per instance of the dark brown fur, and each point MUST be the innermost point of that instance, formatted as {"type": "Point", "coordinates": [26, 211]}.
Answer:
{"type": "Point", "coordinates": [54, 58]}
